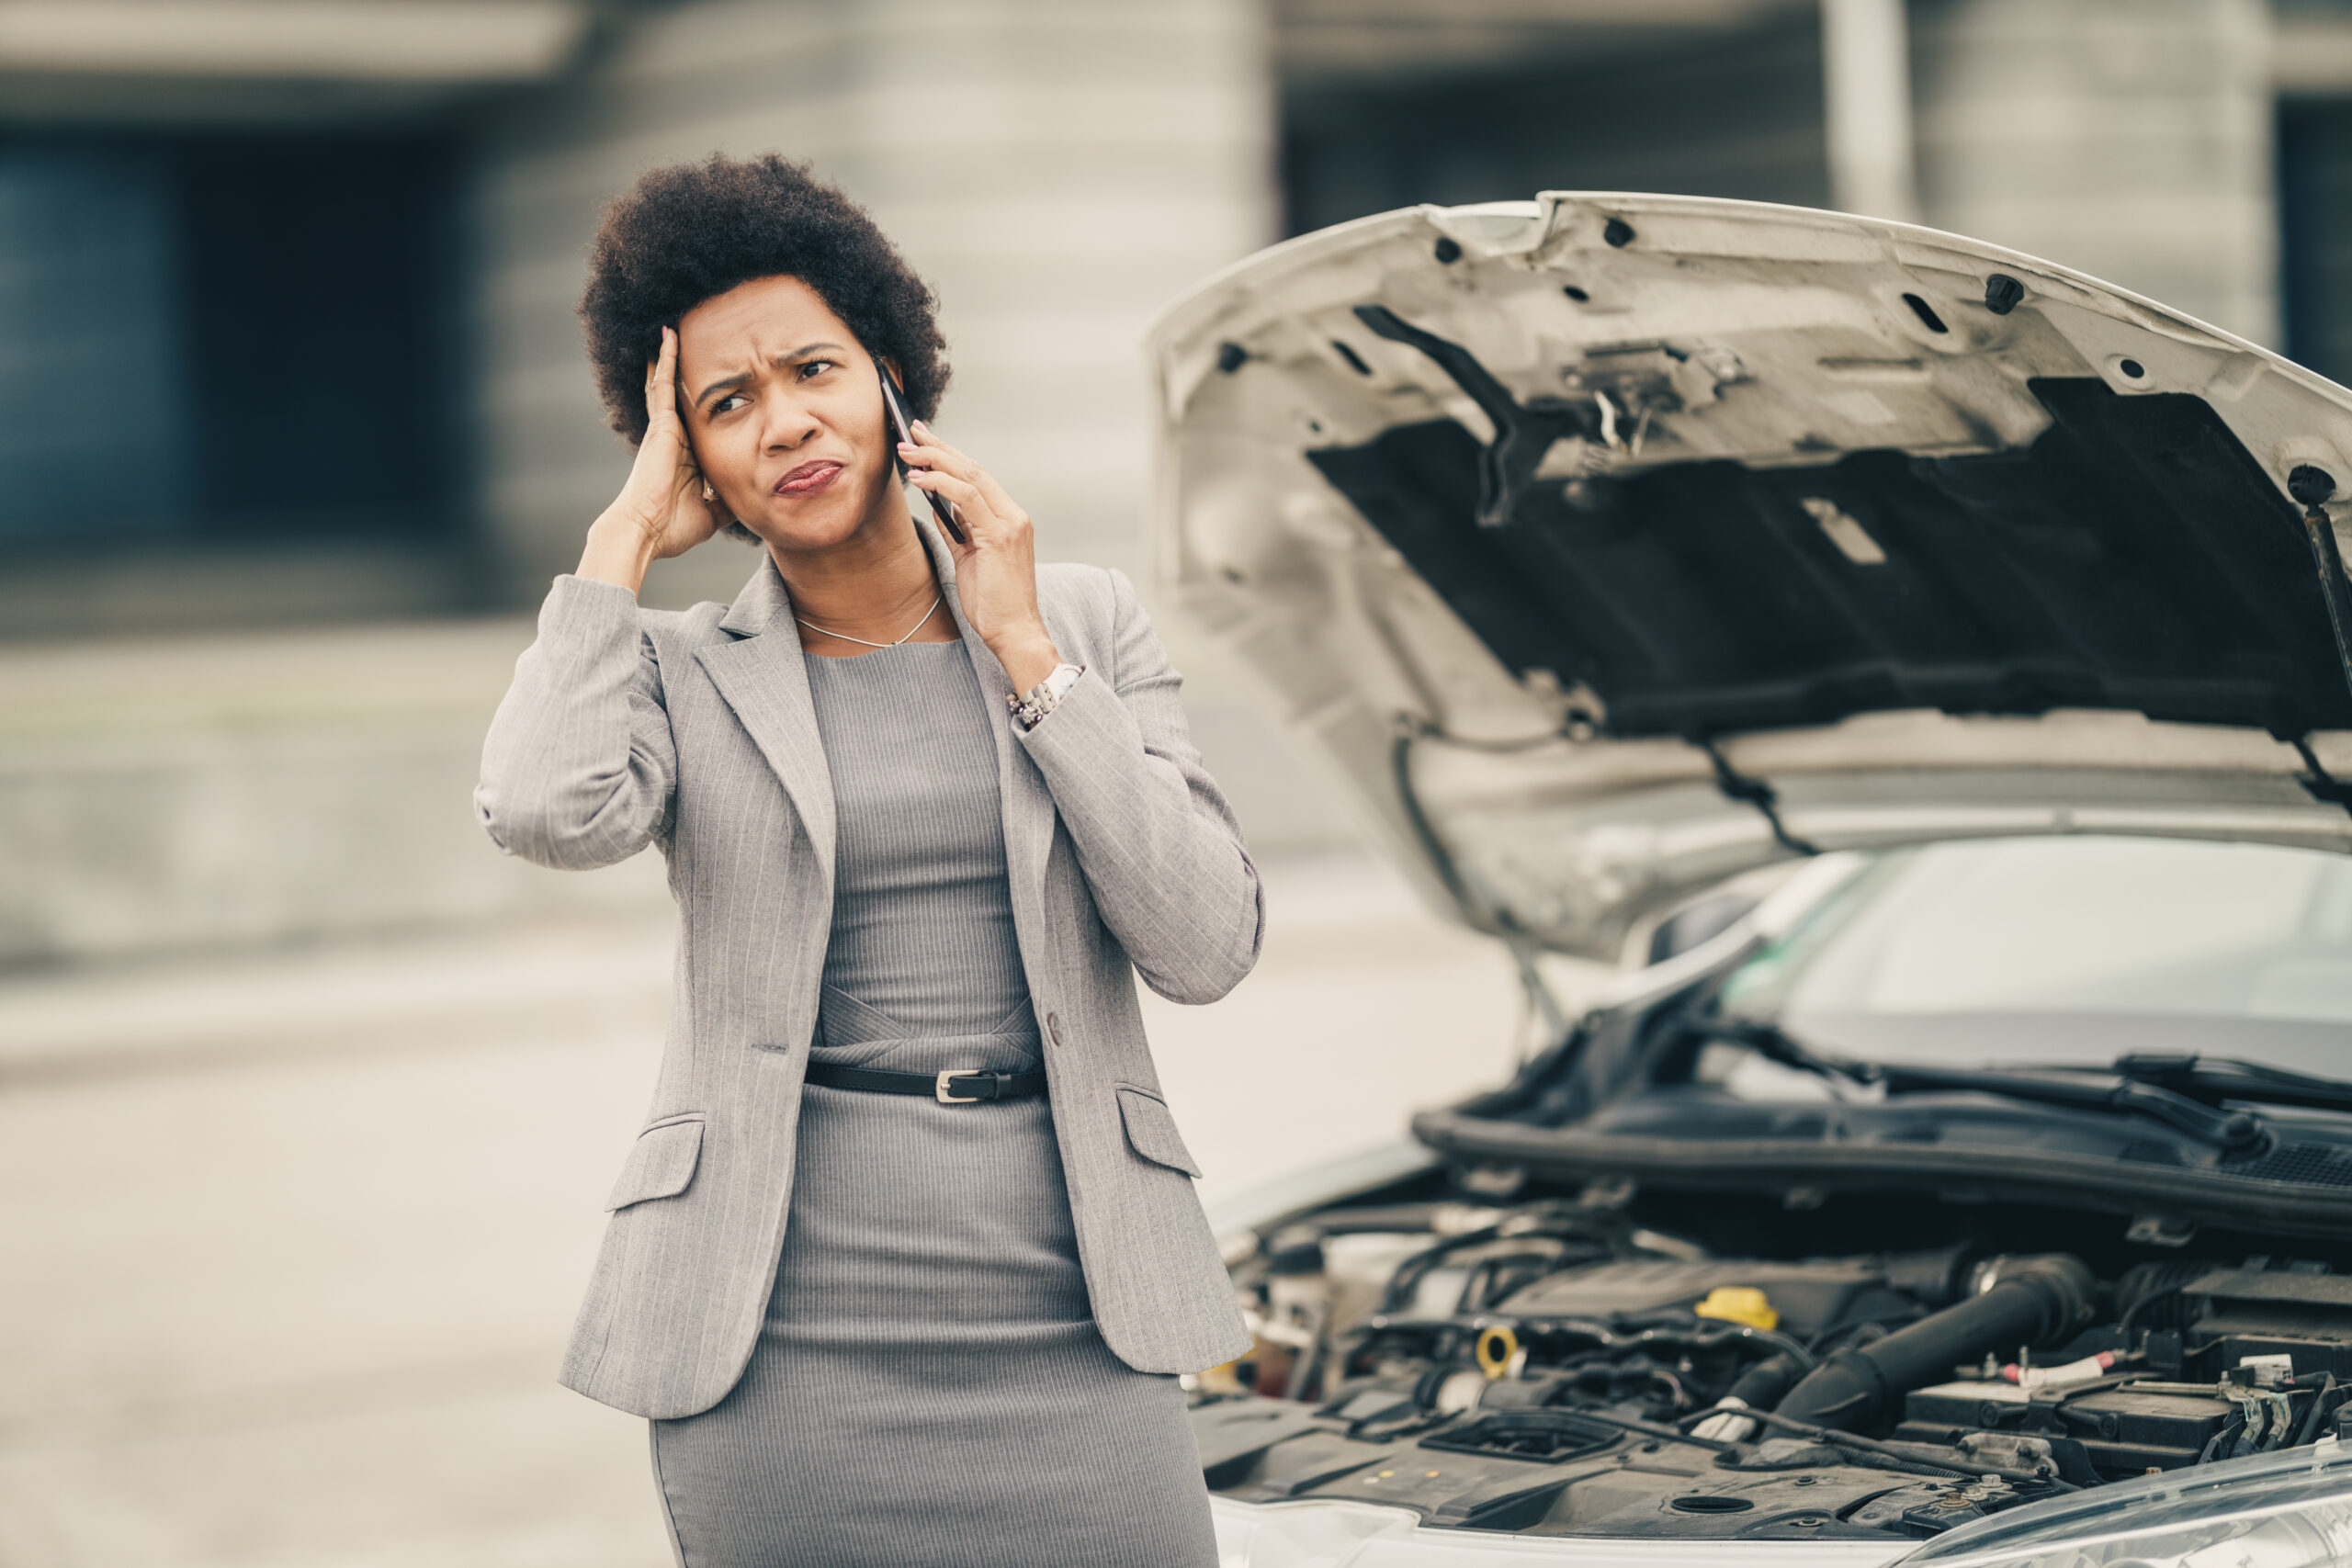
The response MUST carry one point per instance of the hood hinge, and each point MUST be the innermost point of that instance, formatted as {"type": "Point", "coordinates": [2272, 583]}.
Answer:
{"type": "Point", "coordinates": [1523, 433]}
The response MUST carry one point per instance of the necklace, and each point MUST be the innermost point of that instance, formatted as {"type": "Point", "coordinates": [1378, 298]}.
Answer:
{"type": "Point", "coordinates": [862, 643]}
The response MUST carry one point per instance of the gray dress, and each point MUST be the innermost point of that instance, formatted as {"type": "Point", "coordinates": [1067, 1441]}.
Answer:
{"type": "Point", "coordinates": [929, 1386]}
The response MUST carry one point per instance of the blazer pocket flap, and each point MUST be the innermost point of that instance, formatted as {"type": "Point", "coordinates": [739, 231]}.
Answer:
{"type": "Point", "coordinates": [1151, 1130]}
{"type": "Point", "coordinates": [661, 1165]}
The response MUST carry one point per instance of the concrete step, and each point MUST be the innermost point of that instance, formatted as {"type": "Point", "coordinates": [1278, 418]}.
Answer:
{"type": "Point", "coordinates": [204, 792]}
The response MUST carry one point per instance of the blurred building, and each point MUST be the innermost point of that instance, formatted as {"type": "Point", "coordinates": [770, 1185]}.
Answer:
{"type": "Point", "coordinates": [286, 336]}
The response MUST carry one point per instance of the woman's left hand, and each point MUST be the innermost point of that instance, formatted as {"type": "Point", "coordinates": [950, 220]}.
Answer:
{"type": "Point", "coordinates": [996, 573]}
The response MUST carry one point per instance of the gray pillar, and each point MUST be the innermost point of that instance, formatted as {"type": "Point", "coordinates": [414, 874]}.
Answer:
{"type": "Point", "coordinates": [2128, 138]}
{"type": "Point", "coordinates": [1866, 79]}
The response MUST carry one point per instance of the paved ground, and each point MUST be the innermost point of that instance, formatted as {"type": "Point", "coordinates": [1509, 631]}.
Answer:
{"type": "Point", "coordinates": [293, 1240]}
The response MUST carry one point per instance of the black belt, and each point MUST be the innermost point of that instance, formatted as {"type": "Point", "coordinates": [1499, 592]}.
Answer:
{"type": "Point", "coordinates": [948, 1088]}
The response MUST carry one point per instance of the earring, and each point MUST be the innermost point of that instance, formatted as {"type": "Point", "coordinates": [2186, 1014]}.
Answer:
{"type": "Point", "coordinates": [708, 493]}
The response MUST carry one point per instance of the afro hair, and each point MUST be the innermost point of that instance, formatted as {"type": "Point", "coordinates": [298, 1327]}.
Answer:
{"type": "Point", "coordinates": [692, 231]}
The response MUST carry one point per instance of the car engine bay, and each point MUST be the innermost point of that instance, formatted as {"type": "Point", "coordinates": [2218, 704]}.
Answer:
{"type": "Point", "coordinates": [1601, 1362]}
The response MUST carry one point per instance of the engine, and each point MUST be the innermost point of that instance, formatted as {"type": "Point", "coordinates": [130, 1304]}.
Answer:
{"type": "Point", "coordinates": [1548, 1368]}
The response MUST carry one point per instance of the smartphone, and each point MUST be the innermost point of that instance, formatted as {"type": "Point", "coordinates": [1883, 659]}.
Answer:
{"type": "Point", "coordinates": [905, 427]}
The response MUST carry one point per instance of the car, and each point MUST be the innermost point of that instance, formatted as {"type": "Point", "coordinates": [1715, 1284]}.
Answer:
{"type": "Point", "coordinates": [1930, 666]}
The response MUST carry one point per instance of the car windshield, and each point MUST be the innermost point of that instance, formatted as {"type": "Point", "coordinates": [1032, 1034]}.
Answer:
{"type": "Point", "coordinates": [2066, 951]}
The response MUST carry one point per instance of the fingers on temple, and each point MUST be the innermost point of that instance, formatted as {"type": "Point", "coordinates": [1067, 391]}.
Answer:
{"type": "Point", "coordinates": [662, 380]}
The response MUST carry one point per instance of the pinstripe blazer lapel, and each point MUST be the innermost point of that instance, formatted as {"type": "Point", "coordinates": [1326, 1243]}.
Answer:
{"type": "Point", "coordinates": [762, 677]}
{"type": "Point", "coordinates": [1028, 803]}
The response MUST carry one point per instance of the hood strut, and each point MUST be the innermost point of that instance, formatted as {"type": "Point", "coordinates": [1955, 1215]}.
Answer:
{"type": "Point", "coordinates": [2311, 487]}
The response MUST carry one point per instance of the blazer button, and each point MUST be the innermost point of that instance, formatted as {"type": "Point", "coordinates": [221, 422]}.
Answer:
{"type": "Point", "coordinates": [1053, 1027]}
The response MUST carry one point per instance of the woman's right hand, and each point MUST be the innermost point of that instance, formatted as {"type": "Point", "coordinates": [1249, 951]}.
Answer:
{"type": "Point", "coordinates": [660, 511]}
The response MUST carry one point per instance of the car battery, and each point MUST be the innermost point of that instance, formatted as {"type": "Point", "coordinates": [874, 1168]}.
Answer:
{"type": "Point", "coordinates": [2126, 1431]}
{"type": "Point", "coordinates": [2237, 1313]}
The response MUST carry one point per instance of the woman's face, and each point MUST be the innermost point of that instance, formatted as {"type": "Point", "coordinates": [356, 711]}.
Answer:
{"type": "Point", "coordinates": [785, 415]}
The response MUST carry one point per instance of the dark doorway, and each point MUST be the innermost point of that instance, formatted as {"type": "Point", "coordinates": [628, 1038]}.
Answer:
{"type": "Point", "coordinates": [214, 339]}
{"type": "Point", "coordinates": [2316, 234]}
{"type": "Point", "coordinates": [1735, 114]}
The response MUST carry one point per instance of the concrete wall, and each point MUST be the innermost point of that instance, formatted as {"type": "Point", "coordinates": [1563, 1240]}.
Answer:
{"type": "Point", "coordinates": [2128, 138]}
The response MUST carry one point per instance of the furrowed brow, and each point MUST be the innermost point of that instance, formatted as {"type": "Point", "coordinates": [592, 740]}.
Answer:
{"type": "Point", "coordinates": [743, 377]}
{"type": "Point", "coordinates": [724, 384]}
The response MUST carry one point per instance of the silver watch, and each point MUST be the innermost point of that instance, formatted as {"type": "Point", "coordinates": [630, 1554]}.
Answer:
{"type": "Point", "coordinates": [1044, 696]}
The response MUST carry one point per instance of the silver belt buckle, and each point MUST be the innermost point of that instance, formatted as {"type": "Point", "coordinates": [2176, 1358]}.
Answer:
{"type": "Point", "coordinates": [947, 1099]}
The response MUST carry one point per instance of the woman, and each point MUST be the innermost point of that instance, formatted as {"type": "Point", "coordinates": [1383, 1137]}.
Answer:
{"type": "Point", "coordinates": [908, 1253]}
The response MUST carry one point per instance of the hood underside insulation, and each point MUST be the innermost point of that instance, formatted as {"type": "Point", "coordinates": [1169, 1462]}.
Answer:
{"type": "Point", "coordinates": [2116, 562]}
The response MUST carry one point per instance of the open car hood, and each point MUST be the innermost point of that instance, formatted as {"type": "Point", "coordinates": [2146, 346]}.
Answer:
{"type": "Point", "coordinates": [1610, 544]}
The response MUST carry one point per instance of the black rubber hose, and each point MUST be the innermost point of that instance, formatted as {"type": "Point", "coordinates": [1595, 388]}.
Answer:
{"type": "Point", "coordinates": [2309, 1428]}
{"type": "Point", "coordinates": [1763, 1385]}
{"type": "Point", "coordinates": [2033, 1301]}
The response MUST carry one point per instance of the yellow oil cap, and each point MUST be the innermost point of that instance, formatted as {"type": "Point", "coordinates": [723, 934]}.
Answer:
{"type": "Point", "coordinates": [1497, 1345]}
{"type": "Point", "coordinates": [1739, 1304]}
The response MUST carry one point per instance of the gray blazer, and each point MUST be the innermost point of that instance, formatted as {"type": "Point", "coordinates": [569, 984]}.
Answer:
{"type": "Point", "coordinates": [693, 730]}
